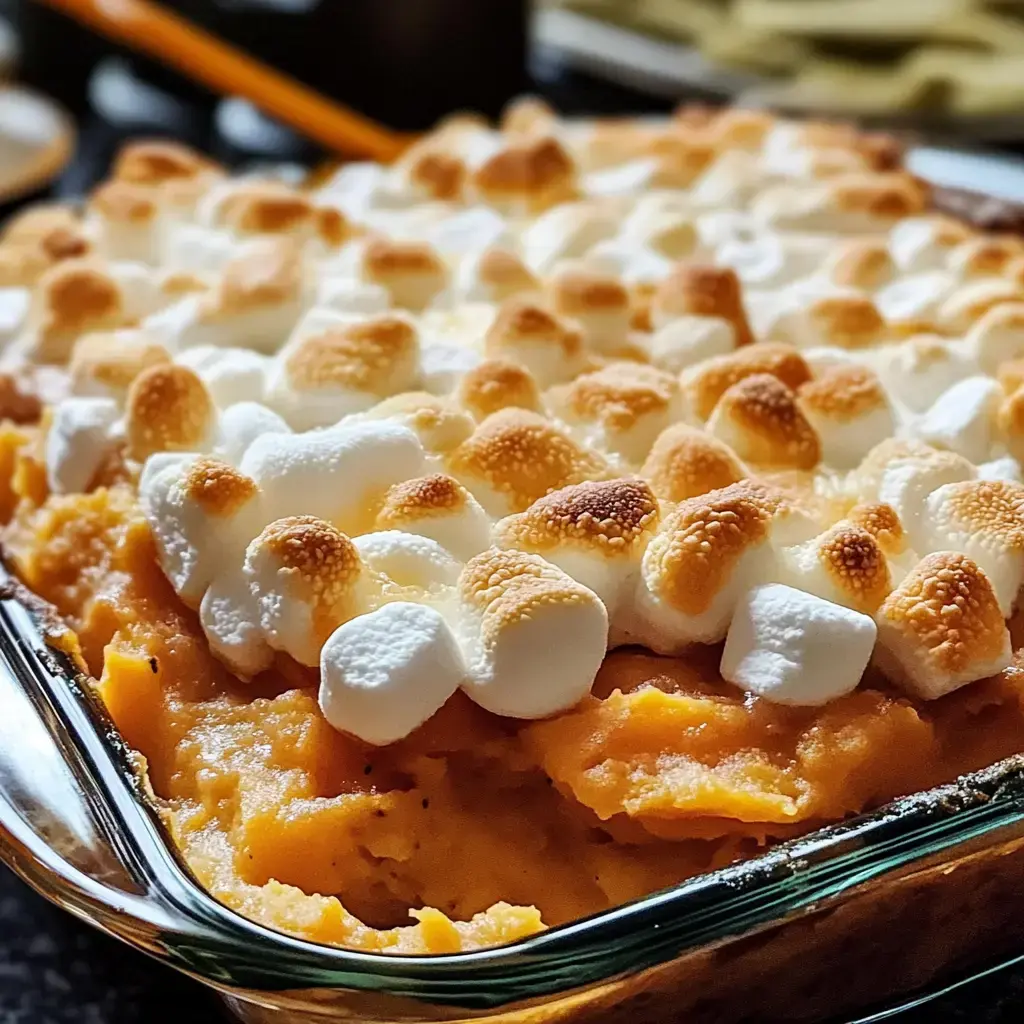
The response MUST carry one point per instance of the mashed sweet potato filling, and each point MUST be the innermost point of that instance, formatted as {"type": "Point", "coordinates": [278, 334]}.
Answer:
{"type": "Point", "coordinates": [483, 829]}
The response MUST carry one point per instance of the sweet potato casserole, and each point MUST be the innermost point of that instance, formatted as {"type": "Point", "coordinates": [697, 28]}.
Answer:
{"type": "Point", "coordinates": [504, 535]}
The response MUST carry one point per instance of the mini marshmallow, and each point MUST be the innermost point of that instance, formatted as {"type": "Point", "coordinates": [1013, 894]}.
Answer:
{"type": "Point", "coordinates": [882, 522]}
{"type": "Point", "coordinates": [849, 321]}
{"type": "Point", "coordinates": [707, 553]}
{"type": "Point", "coordinates": [231, 375]}
{"type": "Point", "coordinates": [685, 462]}
{"type": "Point", "coordinates": [620, 408]}
{"type": "Point", "coordinates": [105, 365]}
{"type": "Point", "coordinates": [325, 376]}
{"type": "Point", "coordinates": [515, 457]}
{"type": "Point", "coordinates": [653, 225]}
{"type": "Point", "coordinates": [918, 371]}
{"type": "Point", "coordinates": [760, 419]}
{"type": "Point", "coordinates": [772, 261]}
{"type": "Point", "coordinates": [997, 338]}
{"type": "Point", "coordinates": [595, 531]}
{"type": "Point", "coordinates": [705, 383]}
{"type": "Point", "coordinates": [967, 304]}
{"type": "Point", "coordinates": [915, 297]}
{"type": "Point", "coordinates": [229, 616]}
{"type": "Point", "coordinates": [332, 474]}
{"type": "Point", "coordinates": [942, 628]}
{"type": "Point", "coordinates": [848, 409]}
{"type": "Point", "coordinates": [528, 333]}
{"type": "Point", "coordinates": [962, 419]}
{"type": "Point", "coordinates": [169, 409]}
{"type": "Point", "coordinates": [125, 221]}
{"type": "Point", "coordinates": [350, 297]}
{"type": "Point", "coordinates": [467, 231]}
{"type": "Point", "coordinates": [566, 232]}
{"type": "Point", "coordinates": [794, 648]}
{"type": "Point", "coordinates": [240, 425]}
{"type": "Point", "coordinates": [699, 290]}
{"type": "Point", "coordinates": [79, 439]}
{"type": "Point", "coordinates": [494, 275]}
{"type": "Point", "coordinates": [845, 565]}
{"type": "Point", "coordinates": [984, 256]}
{"type": "Point", "coordinates": [202, 513]}
{"type": "Point", "coordinates": [526, 176]}
{"type": "Point", "coordinates": [862, 263]}
{"type": "Point", "coordinates": [409, 560]}
{"type": "Point", "coordinates": [412, 273]}
{"type": "Point", "coordinates": [924, 243]}
{"type": "Point", "coordinates": [497, 384]}
{"type": "Point", "coordinates": [440, 508]}
{"type": "Point", "coordinates": [517, 611]}
{"type": "Point", "coordinates": [1005, 468]}
{"type": "Point", "coordinates": [599, 303]}
{"type": "Point", "coordinates": [384, 674]}
{"type": "Point", "coordinates": [984, 519]}
{"type": "Point", "coordinates": [689, 340]}
{"type": "Point", "coordinates": [307, 578]}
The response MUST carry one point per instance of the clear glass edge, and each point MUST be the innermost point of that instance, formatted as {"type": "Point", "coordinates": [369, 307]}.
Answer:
{"type": "Point", "coordinates": [177, 921]}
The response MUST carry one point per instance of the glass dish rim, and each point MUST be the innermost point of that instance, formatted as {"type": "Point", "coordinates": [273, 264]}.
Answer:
{"type": "Point", "coordinates": [206, 938]}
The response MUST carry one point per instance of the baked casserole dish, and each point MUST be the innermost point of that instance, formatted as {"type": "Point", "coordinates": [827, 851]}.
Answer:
{"type": "Point", "coordinates": [576, 520]}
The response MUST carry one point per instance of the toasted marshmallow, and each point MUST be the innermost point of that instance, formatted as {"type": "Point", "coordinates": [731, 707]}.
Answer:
{"type": "Point", "coordinates": [997, 337]}
{"type": "Point", "coordinates": [1005, 468]}
{"type": "Point", "coordinates": [704, 557]}
{"type": "Point", "coordinates": [528, 333]}
{"type": "Point", "coordinates": [231, 375]}
{"type": "Point", "coordinates": [177, 174]}
{"type": "Point", "coordinates": [984, 519]}
{"type": "Point", "coordinates": [925, 243]}
{"type": "Point", "coordinates": [862, 263]}
{"type": "Point", "coordinates": [79, 439]}
{"type": "Point", "coordinates": [202, 513]}
{"type": "Point", "coordinates": [942, 628]}
{"type": "Point", "coordinates": [383, 674]}
{"type": "Point", "coordinates": [962, 419]}
{"type": "Point", "coordinates": [334, 474]}
{"type": "Point", "coordinates": [698, 290]}
{"type": "Point", "coordinates": [760, 419]}
{"type": "Point", "coordinates": [919, 370]}
{"type": "Point", "coordinates": [620, 408]}
{"type": "Point", "coordinates": [439, 423]}
{"type": "Point", "coordinates": [1010, 421]}
{"type": "Point", "coordinates": [497, 384]}
{"type": "Point", "coordinates": [916, 297]}
{"type": "Point", "coordinates": [705, 384]}
{"type": "Point", "coordinates": [849, 411]}
{"type": "Point", "coordinates": [526, 176]}
{"type": "Point", "coordinates": [440, 508]}
{"type": "Point", "coordinates": [326, 376]}
{"type": "Point", "coordinates": [229, 615]}
{"type": "Point", "coordinates": [412, 272]}
{"type": "Point", "coordinates": [517, 610]}
{"type": "Point", "coordinates": [515, 457]}
{"type": "Point", "coordinates": [168, 409]}
{"type": "Point", "coordinates": [670, 233]}
{"type": "Point", "coordinates": [105, 365]}
{"type": "Point", "coordinates": [567, 232]}
{"type": "Point", "coordinates": [256, 302]}
{"type": "Point", "coordinates": [240, 424]}
{"type": "Point", "coordinates": [795, 648]}
{"type": "Point", "coordinates": [494, 275]}
{"type": "Point", "coordinates": [685, 462]}
{"type": "Point", "coordinates": [845, 565]}
{"type": "Point", "coordinates": [599, 303]}
{"type": "Point", "coordinates": [595, 531]}
{"type": "Point", "coordinates": [409, 560]}
{"type": "Point", "coordinates": [840, 321]}
{"type": "Point", "coordinates": [970, 302]}
{"type": "Point", "coordinates": [37, 239]}
{"type": "Point", "coordinates": [125, 220]}
{"type": "Point", "coordinates": [984, 256]}
{"type": "Point", "coordinates": [688, 340]}
{"type": "Point", "coordinates": [73, 298]}
{"type": "Point", "coordinates": [882, 522]}
{"type": "Point", "coordinates": [307, 578]}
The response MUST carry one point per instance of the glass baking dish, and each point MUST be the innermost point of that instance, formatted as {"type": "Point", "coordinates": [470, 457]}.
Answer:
{"type": "Point", "coordinates": [875, 911]}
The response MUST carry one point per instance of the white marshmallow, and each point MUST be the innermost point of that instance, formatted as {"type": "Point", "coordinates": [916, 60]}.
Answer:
{"type": "Point", "coordinates": [793, 648]}
{"type": "Point", "coordinates": [229, 616]}
{"type": "Point", "coordinates": [772, 261]}
{"type": "Point", "coordinates": [1006, 468]}
{"type": "Point", "coordinates": [919, 370]}
{"type": "Point", "coordinates": [688, 340]}
{"type": "Point", "coordinates": [14, 305]}
{"type": "Point", "coordinates": [633, 264]}
{"type": "Point", "coordinates": [409, 560]}
{"type": "Point", "coordinates": [79, 439]}
{"type": "Point", "coordinates": [517, 611]}
{"type": "Point", "coordinates": [331, 474]}
{"type": "Point", "coordinates": [351, 297]}
{"type": "Point", "coordinates": [915, 297]}
{"type": "Point", "coordinates": [231, 375]}
{"type": "Point", "coordinates": [997, 337]}
{"type": "Point", "coordinates": [202, 513]}
{"type": "Point", "coordinates": [564, 232]}
{"type": "Point", "coordinates": [962, 419]}
{"type": "Point", "coordinates": [240, 425]}
{"type": "Point", "coordinates": [193, 249]}
{"type": "Point", "coordinates": [624, 180]}
{"type": "Point", "coordinates": [443, 364]}
{"type": "Point", "coordinates": [916, 243]}
{"type": "Point", "coordinates": [382, 675]}
{"type": "Point", "coordinates": [467, 231]}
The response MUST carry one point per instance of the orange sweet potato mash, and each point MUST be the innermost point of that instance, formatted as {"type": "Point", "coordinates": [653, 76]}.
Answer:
{"type": "Point", "coordinates": [482, 829]}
